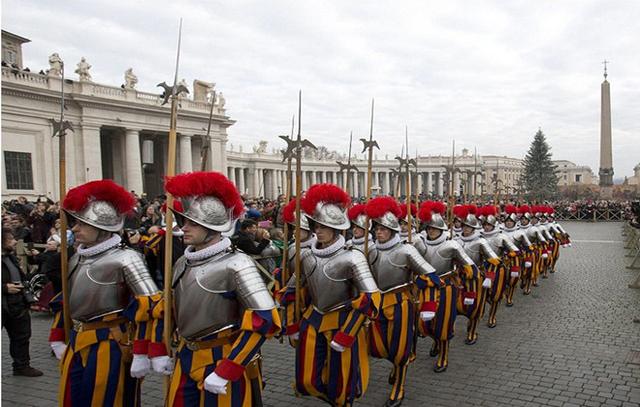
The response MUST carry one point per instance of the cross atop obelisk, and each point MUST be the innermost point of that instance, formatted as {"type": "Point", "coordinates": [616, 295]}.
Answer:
{"type": "Point", "coordinates": [606, 158]}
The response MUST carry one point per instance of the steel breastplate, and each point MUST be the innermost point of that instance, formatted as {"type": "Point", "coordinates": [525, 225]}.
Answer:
{"type": "Point", "coordinates": [327, 279]}
{"type": "Point", "coordinates": [391, 268]}
{"type": "Point", "coordinates": [439, 258]}
{"type": "Point", "coordinates": [204, 296]}
{"type": "Point", "coordinates": [97, 285]}
{"type": "Point", "coordinates": [472, 248]}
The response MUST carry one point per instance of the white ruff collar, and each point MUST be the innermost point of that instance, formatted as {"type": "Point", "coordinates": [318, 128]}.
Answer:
{"type": "Point", "coordinates": [389, 243]}
{"type": "Point", "coordinates": [524, 227]}
{"type": "Point", "coordinates": [438, 240]}
{"type": "Point", "coordinates": [360, 240]}
{"type": "Point", "coordinates": [309, 242]}
{"type": "Point", "coordinates": [506, 229]}
{"type": "Point", "coordinates": [328, 251]}
{"type": "Point", "coordinates": [207, 252]}
{"type": "Point", "coordinates": [490, 234]}
{"type": "Point", "coordinates": [475, 235]}
{"type": "Point", "coordinates": [101, 247]}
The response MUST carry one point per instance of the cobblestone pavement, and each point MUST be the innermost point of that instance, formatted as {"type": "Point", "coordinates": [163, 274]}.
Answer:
{"type": "Point", "coordinates": [570, 343]}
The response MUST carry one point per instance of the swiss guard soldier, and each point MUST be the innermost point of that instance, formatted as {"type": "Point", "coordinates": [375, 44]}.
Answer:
{"type": "Point", "coordinates": [554, 237]}
{"type": "Point", "coordinates": [111, 295]}
{"type": "Point", "coordinates": [331, 354]}
{"type": "Point", "coordinates": [510, 228]}
{"type": "Point", "coordinates": [446, 256]}
{"type": "Point", "coordinates": [396, 266]}
{"type": "Point", "coordinates": [506, 249]}
{"type": "Point", "coordinates": [359, 229]}
{"type": "Point", "coordinates": [223, 309]}
{"type": "Point", "coordinates": [547, 250]}
{"type": "Point", "coordinates": [417, 240]}
{"type": "Point", "coordinates": [538, 241]}
{"type": "Point", "coordinates": [484, 257]}
{"type": "Point", "coordinates": [459, 213]}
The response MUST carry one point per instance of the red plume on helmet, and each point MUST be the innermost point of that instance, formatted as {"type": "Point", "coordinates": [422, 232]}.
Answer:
{"type": "Point", "coordinates": [377, 207]}
{"type": "Point", "coordinates": [103, 190]}
{"type": "Point", "coordinates": [206, 183]}
{"type": "Point", "coordinates": [522, 209]}
{"type": "Point", "coordinates": [355, 211]}
{"type": "Point", "coordinates": [289, 211]}
{"type": "Point", "coordinates": [509, 209]}
{"type": "Point", "coordinates": [550, 210]}
{"type": "Point", "coordinates": [403, 210]}
{"type": "Point", "coordinates": [460, 211]}
{"type": "Point", "coordinates": [428, 208]}
{"type": "Point", "coordinates": [488, 210]}
{"type": "Point", "coordinates": [471, 209]}
{"type": "Point", "coordinates": [177, 205]}
{"type": "Point", "coordinates": [325, 193]}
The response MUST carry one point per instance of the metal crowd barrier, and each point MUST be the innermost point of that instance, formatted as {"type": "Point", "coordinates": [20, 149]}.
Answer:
{"type": "Point", "coordinates": [596, 215]}
{"type": "Point", "coordinates": [632, 244]}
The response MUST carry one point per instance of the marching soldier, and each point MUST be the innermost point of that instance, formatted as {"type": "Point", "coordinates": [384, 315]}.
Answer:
{"type": "Point", "coordinates": [111, 294]}
{"type": "Point", "coordinates": [508, 252]}
{"type": "Point", "coordinates": [358, 228]}
{"type": "Point", "coordinates": [510, 228]}
{"type": "Point", "coordinates": [459, 213]}
{"type": "Point", "coordinates": [223, 310]}
{"type": "Point", "coordinates": [445, 256]}
{"type": "Point", "coordinates": [538, 241]}
{"type": "Point", "coordinates": [331, 354]}
{"type": "Point", "coordinates": [484, 257]}
{"type": "Point", "coordinates": [416, 238]}
{"type": "Point", "coordinates": [545, 264]}
{"type": "Point", "coordinates": [396, 267]}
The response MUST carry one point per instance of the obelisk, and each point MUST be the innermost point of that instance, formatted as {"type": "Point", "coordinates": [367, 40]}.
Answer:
{"type": "Point", "coordinates": [606, 159]}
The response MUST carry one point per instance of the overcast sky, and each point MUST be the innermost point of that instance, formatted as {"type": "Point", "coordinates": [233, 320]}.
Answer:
{"type": "Point", "coordinates": [485, 73]}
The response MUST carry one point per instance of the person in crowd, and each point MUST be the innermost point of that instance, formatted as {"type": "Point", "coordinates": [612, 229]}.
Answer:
{"type": "Point", "coordinates": [16, 301]}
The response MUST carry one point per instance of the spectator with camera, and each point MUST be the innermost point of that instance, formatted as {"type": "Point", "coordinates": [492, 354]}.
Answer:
{"type": "Point", "coordinates": [16, 301]}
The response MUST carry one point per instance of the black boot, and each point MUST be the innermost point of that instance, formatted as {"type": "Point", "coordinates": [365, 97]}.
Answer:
{"type": "Point", "coordinates": [393, 403]}
{"type": "Point", "coordinates": [27, 371]}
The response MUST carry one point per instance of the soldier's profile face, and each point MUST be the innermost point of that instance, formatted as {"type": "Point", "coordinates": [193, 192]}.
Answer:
{"type": "Point", "coordinates": [467, 230]}
{"type": "Point", "coordinates": [382, 234]}
{"type": "Point", "coordinates": [433, 233]}
{"type": "Point", "coordinates": [324, 234]}
{"type": "Point", "coordinates": [194, 234]}
{"type": "Point", "coordinates": [358, 232]}
{"type": "Point", "coordinates": [488, 227]}
{"type": "Point", "coordinates": [84, 233]}
{"type": "Point", "coordinates": [509, 223]}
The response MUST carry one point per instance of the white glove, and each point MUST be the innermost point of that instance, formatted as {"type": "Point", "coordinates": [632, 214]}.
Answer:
{"type": "Point", "coordinates": [337, 347]}
{"type": "Point", "coordinates": [162, 365]}
{"type": "Point", "coordinates": [140, 366]}
{"type": "Point", "coordinates": [58, 348]}
{"type": "Point", "coordinates": [427, 315]}
{"type": "Point", "coordinates": [469, 301]}
{"type": "Point", "coordinates": [486, 283]}
{"type": "Point", "coordinates": [294, 336]}
{"type": "Point", "coordinates": [527, 264]}
{"type": "Point", "coordinates": [514, 274]}
{"type": "Point", "coordinates": [545, 255]}
{"type": "Point", "coordinates": [215, 384]}
{"type": "Point", "coordinates": [569, 244]}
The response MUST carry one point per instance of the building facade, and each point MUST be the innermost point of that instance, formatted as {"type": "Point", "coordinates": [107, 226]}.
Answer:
{"type": "Point", "coordinates": [121, 133]}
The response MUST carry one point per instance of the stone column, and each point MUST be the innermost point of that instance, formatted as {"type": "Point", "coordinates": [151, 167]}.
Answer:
{"type": "Point", "coordinates": [429, 183]}
{"type": "Point", "coordinates": [274, 183]}
{"type": "Point", "coordinates": [419, 183]}
{"type": "Point", "coordinates": [241, 180]}
{"type": "Point", "coordinates": [440, 183]}
{"type": "Point", "coordinates": [133, 161]}
{"type": "Point", "coordinates": [456, 184]}
{"type": "Point", "coordinates": [91, 155]}
{"type": "Point", "coordinates": [185, 157]}
{"type": "Point", "coordinates": [232, 176]}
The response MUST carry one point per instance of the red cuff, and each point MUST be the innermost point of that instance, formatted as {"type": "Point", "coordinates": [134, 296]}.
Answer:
{"type": "Point", "coordinates": [292, 329]}
{"type": "Point", "coordinates": [157, 349]}
{"type": "Point", "coordinates": [491, 275]}
{"type": "Point", "coordinates": [515, 269]}
{"type": "Point", "coordinates": [140, 346]}
{"type": "Point", "coordinates": [56, 335]}
{"type": "Point", "coordinates": [470, 294]}
{"type": "Point", "coordinates": [229, 370]}
{"type": "Point", "coordinates": [343, 339]}
{"type": "Point", "coordinates": [431, 306]}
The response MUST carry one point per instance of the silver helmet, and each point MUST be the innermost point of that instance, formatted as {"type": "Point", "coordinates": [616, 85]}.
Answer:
{"type": "Point", "coordinates": [289, 215]}
{"type": "Point", "coordinates": [357, 216]}
{"type": "Point", "coordinates": [207, 211]}
{"type": "Point", "coordinates": [384, 210]}
{"type": "Point", "coordinates": [471, 221]}
{"type": "Point", "coordinates": [206, 198]}
{"type": "Point", "coordinates": [326, 204]}
{"type": "Point", "coordinates": [431, 212]}
{"type": "Point", "coordinates": [101, 215]}
{"type": "Point", "coordinates": [488, 215]}
{"type": "Point", "coordinates": [360, 221]}
{"type": "Point", "coordinates": [101, 204]}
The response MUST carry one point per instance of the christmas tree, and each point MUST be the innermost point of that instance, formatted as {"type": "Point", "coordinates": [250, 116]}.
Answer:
{"type": "Point", "coordinates": [540, 177]}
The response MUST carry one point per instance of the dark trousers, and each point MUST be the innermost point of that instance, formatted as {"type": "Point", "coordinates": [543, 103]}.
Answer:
{"type": "Point", "coordinates": [18, 326]}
